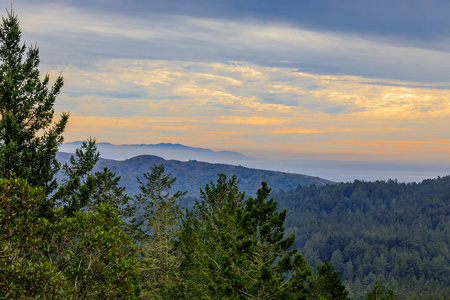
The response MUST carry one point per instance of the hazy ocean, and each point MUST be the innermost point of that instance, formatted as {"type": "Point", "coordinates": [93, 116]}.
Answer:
{"type": "Point", "coordinates": [344, 171]}
{"type": "Point", "coordinates": [334, 170]}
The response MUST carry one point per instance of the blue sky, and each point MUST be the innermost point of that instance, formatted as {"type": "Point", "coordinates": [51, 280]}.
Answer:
{"type": "Point", "coordinates": [361, 80]}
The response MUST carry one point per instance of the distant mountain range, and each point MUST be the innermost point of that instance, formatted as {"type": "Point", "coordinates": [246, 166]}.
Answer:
{"type": "Point", "coordinates": [164, 150]}
{"type": "Point", "coordinates": [193, 175]}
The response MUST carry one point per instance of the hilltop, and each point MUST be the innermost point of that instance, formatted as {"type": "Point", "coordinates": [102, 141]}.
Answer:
{"type": "Point", "coordinates": [193, 175]}
{"type": "Point", "coordinates": [164, 150]}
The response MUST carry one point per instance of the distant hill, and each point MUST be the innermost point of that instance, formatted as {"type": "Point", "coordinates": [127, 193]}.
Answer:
{"type": "Point", "coordinates": [164, 150]}
{"type": "Point", "coordinates": [193, 175]}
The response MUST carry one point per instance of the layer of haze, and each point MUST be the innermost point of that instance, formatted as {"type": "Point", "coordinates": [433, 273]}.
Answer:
{"type": "Point", "coordinates": [356, 81]}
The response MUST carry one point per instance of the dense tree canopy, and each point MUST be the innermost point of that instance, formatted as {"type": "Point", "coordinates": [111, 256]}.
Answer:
{"type": "Point", "coordinates": [87, 255]}
{"type": "Point", "coordinates": [391, 232]}
{"type": "Point", "coordinates": [235, 248]}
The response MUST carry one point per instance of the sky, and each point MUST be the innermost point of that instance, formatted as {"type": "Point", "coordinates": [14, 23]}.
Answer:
{"type": "Point", "coordinates": [335, 80]}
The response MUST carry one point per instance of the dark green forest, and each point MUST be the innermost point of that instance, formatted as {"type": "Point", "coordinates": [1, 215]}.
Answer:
{"type": "Point", "coordinates": [83, 237]}
{"type": "Point", "coordinates": [391, 232]}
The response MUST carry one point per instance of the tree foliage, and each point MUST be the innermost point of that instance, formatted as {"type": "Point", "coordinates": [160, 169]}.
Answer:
{"type": "Point", "coordinates": [160, 224]}
{"type": "Point", "coordinates": [271, 254]}
{"type": "Point", "coordinates": [80, 249]}
{"type": "Point", "coordinates": [211, 242]}
{"type": "Point", "coordinates": [378, 293]}
{"type": "Point", "coordinates": [107, 190]}
{"type": "Point", "coordinates": [386, 231]}
{"type": "Point", "coordinates": [87, 255]}
{"type": "Point", "coordinates": [79, 183]}
{"type": "Point", "coordinates": [235, 248]}
{"type": "Point", "coordinates": [326, 283]}
{"type": "Point", "coordinates": [29, 139]}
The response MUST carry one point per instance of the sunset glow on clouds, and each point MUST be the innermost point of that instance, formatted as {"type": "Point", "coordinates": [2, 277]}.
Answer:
{"type": "Point", "coordinates": [248, 106]}
{"type": "Point", "coordinates": [245, 84]}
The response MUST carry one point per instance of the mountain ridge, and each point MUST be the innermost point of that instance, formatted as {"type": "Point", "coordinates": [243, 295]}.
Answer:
{"type": "Point", "coordinates": [164, 150]}
{"type": "Point", "coordinates": [193, 175]}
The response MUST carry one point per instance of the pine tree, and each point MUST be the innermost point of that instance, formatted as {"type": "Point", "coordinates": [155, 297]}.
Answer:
{"type": "Point", "coordinates": [29, 139]}
{"type": "Point", "coordinates": [326, 283]}
{"type": "Point", "coordinates": [47, 252]}
{"type": "Point", "coordinates": [107, 190]}
{"type": "Point", "coordinates": [271, 254]}
{"type": "Point", "coordinates": [212, 243]}
{"type": "Point", "coordinates": [235, 248]}
{"type": "Point", "coordinates": [160, 224]}
{"type": "Point", "coordinates": [379, 293]}
{"type": "Point", "coordinates": [79, 183]}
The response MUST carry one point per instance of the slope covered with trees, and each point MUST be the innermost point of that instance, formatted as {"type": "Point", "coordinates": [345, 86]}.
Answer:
{"type": "Point", "coordinates": [193, 175]}
{"type": "Point", "coordinates": [391, 232]}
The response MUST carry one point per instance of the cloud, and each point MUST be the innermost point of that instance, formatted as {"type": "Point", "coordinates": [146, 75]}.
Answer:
{"type": "Point", "coordinates": [414, 20]}
{"type": "Point", "coordinates": [77, 35]}
{"type": "Point", "coordinates": [258, 121]}
{"type": "Point", "coordinates": [215, 81]}
{"type": "Point", "coordinates": [224, 105]}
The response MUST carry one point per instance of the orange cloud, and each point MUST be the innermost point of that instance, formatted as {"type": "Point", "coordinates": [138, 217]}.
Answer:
{"type": "Point", "coordinates": [259, 121]}
{"type": "Point", "coordinates": [245, 106]}
{"type": "Point", "coordinates": [295, 131]}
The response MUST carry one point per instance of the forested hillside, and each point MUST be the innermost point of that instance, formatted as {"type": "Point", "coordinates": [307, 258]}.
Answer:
{"type": "Point", "coordinates": [396, 233]}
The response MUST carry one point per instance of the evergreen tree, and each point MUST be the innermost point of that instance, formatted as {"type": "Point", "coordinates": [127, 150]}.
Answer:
{"type": "Point", "coordinates": [378, 293]}
{"type": "Point", "coordinates": [83, 189]}
{"type": "Point", "coordinates": [107, 190]}
{"type": "Point", "coordinates": [235, 248]}
{"type": "Point", "coordinates": [160, 224]}
{"type": "Point", "coordinates": [213, 243]}
{"type": "Point", "coordinates": [74, 251]}
{"type": "Point", "coordinates": [28, 138]}
{"type": "Point", "coordinates": [326, 283]}
{"type": "Point", "coordinates": [271, 256]}
{"type": "Point", "coordinates": [79, 183]}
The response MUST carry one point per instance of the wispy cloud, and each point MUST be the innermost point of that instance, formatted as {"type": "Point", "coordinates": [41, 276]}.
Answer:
{"type": "Point", "coordinates": [93, 34]}
{"type": "Point", "coordinates": [226, 104]}
{"type": "Point", "coordinates": [243, 83]}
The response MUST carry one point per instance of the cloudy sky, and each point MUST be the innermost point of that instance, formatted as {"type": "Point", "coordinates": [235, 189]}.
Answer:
{"type": "Point", "coordinates": [349, 79]}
